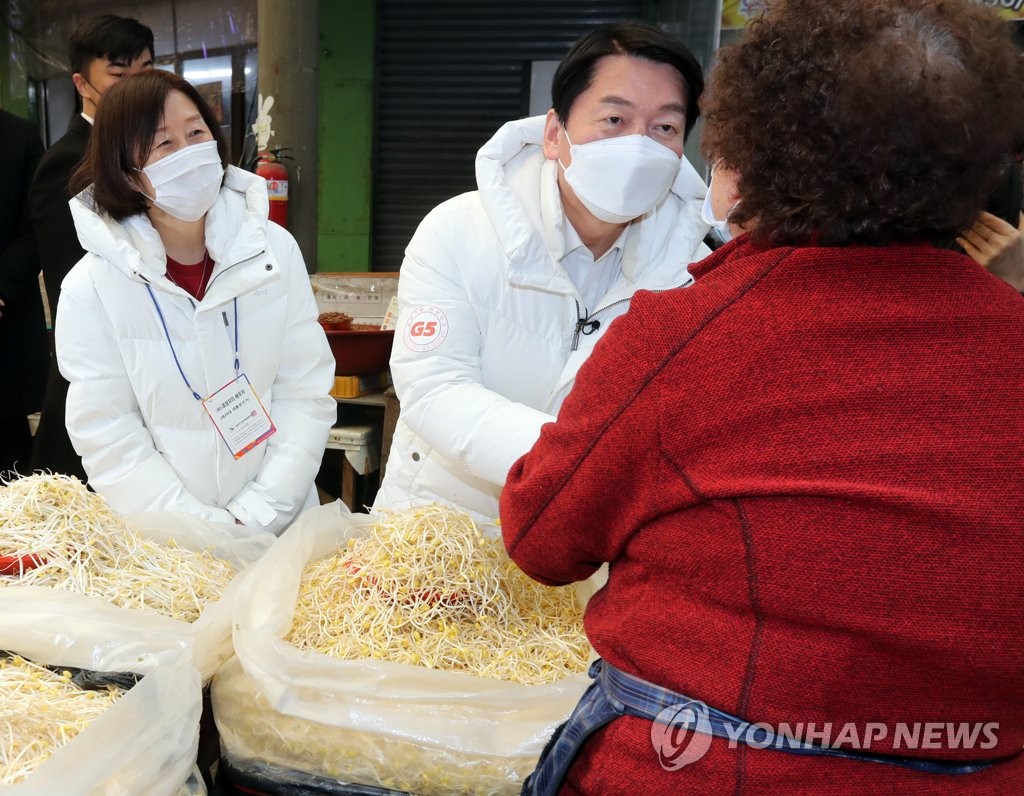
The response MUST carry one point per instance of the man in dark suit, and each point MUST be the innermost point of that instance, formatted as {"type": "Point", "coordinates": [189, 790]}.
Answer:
{"type": "Point", "coordinates": [23, 348]}
{"type": "Point", "coordinates": [102, 50]}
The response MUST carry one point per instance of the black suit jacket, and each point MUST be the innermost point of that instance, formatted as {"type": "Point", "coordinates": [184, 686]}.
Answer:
{"type": "Point", "coordinates": [23, 348]}
{"type": "Point", "coordinates": [51, 216]}
{"type": "Point", "coordinates": [59, 250]}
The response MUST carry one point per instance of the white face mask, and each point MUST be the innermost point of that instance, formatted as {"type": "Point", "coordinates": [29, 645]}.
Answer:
{"type": "Point", "coordinates": [619, 179]}
{"type": "Point", "coordinates": [187, 182]}
{"type": "Point", "coordinates": [707, 214]}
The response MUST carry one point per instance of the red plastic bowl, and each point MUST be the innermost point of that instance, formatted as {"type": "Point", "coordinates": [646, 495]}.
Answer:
{"type": "Point", "coordinates": [360, 352]}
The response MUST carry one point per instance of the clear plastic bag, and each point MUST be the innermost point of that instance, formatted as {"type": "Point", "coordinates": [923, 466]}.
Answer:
{"type": "Point", "coordinates": [94, 634]}
{"type": "Point", "coordinates": [366, 721]}
{"type": "Point", "coordinates": [144, 743]}
{"type": "Point", "coordinates": [194, 785]}
{"type": "Point", "coordinates": [363, 296]}
{"type": "Point", "coordinates": [261, 777]}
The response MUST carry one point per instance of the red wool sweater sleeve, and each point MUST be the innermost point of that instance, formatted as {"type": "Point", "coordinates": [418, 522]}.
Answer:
{"type": "Point", "coordinates": [599, 473]}
{"type": "Point", "coordinates": [570, 504]}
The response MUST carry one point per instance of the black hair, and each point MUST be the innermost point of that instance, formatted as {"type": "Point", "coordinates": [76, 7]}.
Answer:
{"type": "Point", "coordinates": [108, 36]}
{"type": "Point", "coordinates": [576, 71]}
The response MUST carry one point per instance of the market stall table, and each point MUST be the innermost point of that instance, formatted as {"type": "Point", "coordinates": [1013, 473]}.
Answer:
{"type": "Point", "coordinates": [361, 444]}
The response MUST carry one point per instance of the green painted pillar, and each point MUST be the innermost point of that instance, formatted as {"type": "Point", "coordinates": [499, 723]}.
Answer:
{"type": "Point", "coordinates": [347, 36]}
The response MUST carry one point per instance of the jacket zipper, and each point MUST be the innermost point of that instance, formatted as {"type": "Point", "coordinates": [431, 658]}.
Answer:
{"type": "Point", "coordinates": [586, 325]}
{"type": "Point", "coordinates": [145, 279]}
{"type": "Point", "coordinates": [233, 265]}
{"type": "Point", "coordinates": [588, 320]}
{"type": "Point", "coordinates": [191, 301]}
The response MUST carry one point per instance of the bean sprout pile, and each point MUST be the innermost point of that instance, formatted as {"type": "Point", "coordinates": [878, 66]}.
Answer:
{"type": "Point", "coordinates": [426, 587]}
{"type": "Point", "coordinates": [73, 541]}
{"type": "Point", "coordinates": [40, 711]}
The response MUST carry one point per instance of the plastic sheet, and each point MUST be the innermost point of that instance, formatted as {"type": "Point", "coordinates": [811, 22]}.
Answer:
{"type": "Point", "coordinates": [369, 722]}
{"type": "Point", "coordinates": [145, 743]}
{"type": "Point", "coordinates": [363, 296]}
{"type": "Point", "coordinates": [194, 785]}
{"type": "Point", "coordinates": [88, 679]}
{"type": "Point", "coordinates": [91, 633]}
{"type": "Point", "coordinates": [259, 777]}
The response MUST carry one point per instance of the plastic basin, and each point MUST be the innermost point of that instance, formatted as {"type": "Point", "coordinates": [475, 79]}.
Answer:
{"type": "Point", "coordinates": [360, 352]}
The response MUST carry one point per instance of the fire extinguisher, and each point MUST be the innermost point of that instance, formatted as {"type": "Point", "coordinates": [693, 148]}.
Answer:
{"type": "Point", "coordinates": [270, 166]}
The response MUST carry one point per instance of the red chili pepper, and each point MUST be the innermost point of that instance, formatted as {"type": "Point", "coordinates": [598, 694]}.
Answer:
{"type": "Point", "coordinates": [15, 565]}
{"type": "Point", "coordinates": [428, 596]}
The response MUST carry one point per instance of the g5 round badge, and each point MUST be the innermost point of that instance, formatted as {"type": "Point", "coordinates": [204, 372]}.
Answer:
{"type": "Point", "coordinates": [426, 328]}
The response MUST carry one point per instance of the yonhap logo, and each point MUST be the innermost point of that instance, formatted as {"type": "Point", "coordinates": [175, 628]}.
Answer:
{"type": "Point", "coordinates": [681, 734]}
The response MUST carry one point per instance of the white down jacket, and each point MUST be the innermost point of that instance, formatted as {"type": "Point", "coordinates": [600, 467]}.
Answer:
{"type": "Point", "coordinates": [487, 343]}
{"type": "Point", "coordinates": [145, 441]}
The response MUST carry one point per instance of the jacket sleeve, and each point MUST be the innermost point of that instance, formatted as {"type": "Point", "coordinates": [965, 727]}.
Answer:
{"type": "Point", "coordinates": [597, 475]}
{"type": "Point", "coordinates": [303, 410]}
{"type": "Point", "coordinates": [59, 248]}
{"type": "Point", "coordinates": [439, 383]}
{"type": "Point", "coordinates": [103, 417]}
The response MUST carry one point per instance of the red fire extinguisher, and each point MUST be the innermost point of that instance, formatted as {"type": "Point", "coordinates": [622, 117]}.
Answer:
{"type": "Point", "coordinates": [272, 169]}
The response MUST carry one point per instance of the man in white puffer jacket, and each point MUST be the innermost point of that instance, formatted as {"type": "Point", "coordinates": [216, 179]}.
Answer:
{"type": "Point", "coordinates": [165, 454]}
{"type": "Point", "coordinates": [504, 291]}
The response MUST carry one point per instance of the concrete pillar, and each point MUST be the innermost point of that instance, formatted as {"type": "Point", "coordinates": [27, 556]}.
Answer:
{"type": "Point", "coordinates": [288, 53]}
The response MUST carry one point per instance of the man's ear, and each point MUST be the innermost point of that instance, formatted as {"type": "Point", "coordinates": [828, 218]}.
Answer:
{"type": "Point", "coordinates": [552, 135]}
{"type": "Point", "coordinates": [81, 85]}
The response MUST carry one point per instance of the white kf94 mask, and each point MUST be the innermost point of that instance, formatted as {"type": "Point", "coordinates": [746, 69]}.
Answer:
{"type": "Point", "coordinates": [707, 214]}
{"type": "Point", "coordinates": [619, 179]}
{"type": "Point", "coordinates": [186, 183]}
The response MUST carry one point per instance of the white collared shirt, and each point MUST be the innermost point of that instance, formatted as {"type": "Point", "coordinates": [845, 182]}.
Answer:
{"type": "Point", "coordinates": [592, 278]}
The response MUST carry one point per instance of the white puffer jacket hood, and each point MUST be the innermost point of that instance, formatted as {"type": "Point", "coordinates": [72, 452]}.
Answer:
{"type": "Point", "coordinates": [508, 171]}
{"type": "Point", "coordinates": [236, 230]}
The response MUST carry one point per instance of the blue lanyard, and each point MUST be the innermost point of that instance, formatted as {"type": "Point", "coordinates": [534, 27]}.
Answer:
{"type": "Point", "coordinates": [174, 353]}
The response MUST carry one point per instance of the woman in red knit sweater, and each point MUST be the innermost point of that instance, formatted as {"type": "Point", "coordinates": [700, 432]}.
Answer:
{"type": "Point", "coordinates": [806, 469]}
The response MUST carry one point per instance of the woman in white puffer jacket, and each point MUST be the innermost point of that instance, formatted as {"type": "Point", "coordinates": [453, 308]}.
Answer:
{"type": "Point", "coordinates": [187, 296]}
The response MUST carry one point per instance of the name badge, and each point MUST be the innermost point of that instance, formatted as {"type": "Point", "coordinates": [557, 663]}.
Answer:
{"type": "Point", "coordinates": [239, 417]}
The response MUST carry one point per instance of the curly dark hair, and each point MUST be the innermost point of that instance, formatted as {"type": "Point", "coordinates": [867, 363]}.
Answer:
{"type": "Point", "coordinates": [865, 121]}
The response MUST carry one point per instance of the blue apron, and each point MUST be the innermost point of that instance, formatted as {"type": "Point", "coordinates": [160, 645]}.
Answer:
{"type": "Point", "coordinates": [615, 693]}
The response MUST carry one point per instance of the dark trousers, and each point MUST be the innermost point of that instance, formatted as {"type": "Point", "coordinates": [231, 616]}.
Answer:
{"type": "Point", "coordinates": [52, 450]}
{"type": "Point", "coordinates": [15, 445]}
